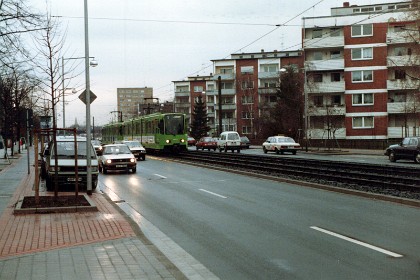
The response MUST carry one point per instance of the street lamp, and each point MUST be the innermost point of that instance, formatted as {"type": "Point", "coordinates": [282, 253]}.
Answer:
{"type": "Point", "coordinates": [92, 63]}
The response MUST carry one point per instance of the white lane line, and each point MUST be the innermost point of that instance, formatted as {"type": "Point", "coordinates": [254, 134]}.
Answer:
{"type": "Point", "coordinates": [389, 253]}
{"type": "Point", "coordinates": [213, 193]}
{"type": "Point", "coordinates": [163, 177]}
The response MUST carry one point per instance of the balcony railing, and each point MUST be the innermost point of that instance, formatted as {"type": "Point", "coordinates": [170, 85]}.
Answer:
{"type": "Point", "coordinates": [403, 84]}
{"type": "Point", "coordinates": [325, 42]}
{"type": "Point", "coordinates": [267, 90]}
{"type": "Point", "coordinates": [182, 93]}
{"type": "Point", "coordinates": [325, 87]}
{"type": "Point", "coordinates": [318, 133]}
{"type": "Point", "coordinates": [402, 37]}
{"type": "Point", "coordinates": [324, 65]}
{"type": "Point", "coordinates": [335, 110]}
{"type": "Point", "coordinates": [403, 107]}
{"type": "Point", "coordinates": [403, 60]}
{"type": "Point", "coordinates": [229, 76]}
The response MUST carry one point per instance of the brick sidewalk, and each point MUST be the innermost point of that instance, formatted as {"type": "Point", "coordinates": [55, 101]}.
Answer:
{"type": "Point", "coordinates": [29, 233]}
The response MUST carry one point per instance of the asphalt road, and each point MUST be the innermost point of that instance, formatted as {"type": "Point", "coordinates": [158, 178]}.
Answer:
{"type": "Point", "coordinates": [246, 228]}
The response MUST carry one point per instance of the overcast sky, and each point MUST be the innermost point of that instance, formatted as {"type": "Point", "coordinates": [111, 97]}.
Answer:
{"type": "Point", "coordinates": [154, 42]}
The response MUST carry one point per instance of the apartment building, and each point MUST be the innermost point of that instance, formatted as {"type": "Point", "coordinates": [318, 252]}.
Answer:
{"type": "Point", "coordinates": [247, 83]}
{"type": "Point", "coordinates": [361, 67]}
{"type": "Point", "coordinates": [130, 101]}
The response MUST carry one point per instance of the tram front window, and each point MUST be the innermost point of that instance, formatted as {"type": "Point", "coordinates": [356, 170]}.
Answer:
{"type": "Point", "coordinates": [174, 124]}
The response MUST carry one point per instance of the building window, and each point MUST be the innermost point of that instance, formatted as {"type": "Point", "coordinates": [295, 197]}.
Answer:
{"type": "Point", "coordinates": [335, 55]}
{"type": "Point", "coordinates": [247, 115]}
{"type": "Point", "coordinates": [400, 74]}
{"type": "Point", "coordinates": [227, 115]}
{"type": "Point", "coordinates": [182, 89]}
{"type": "Point", "coordinates": [319, 100]}
{"type": "Point", "coordinates": [228, 85]}
{"type": "Point", "coordinates": [272, 68]}
{"type": "Point", "coordinates": [210, 87]}
{"type": "Point", "coordinates": [316, 33]}
{"type": "Point", "coordinates": [247, 70]}
{"type": "Point", "coordinates": [335, 77]}
{"type": "Point", "coordinates": [228, 100]}
{"type": "Point", "coordinates": [246, 130]}
{"type": "Point", "coordinates": [363, 99]}
{"type": "Point", "coordinates": [361, 53]}
{"type": "Point", "coordinates": [361, 30]}
{"type": "Point", "coordinates": [198, 88]}
{"type": "Point", "coordinates": [317, 55]}
{"type": "Point", "coordinates": [362, 76]}
{"type": "Point", "coordinates": [270, 99]}
{"type": "Point", "coordinates": [317, 78]}
{"type": "Point", "coordinates": [336, 99]}
{"type": "Point", "coordinates": [247, 99]}
{"type": "Point", "coordinates": [269, 84]}
{"type": "Point", "coordinates": [362, 122]}
{"type": "Point", "coordinates": [369, 9]}
{"type": "Point", "coordinates": [247, 84]}
{"type": "Point", "coordinates": [400, 51]}
{"type": "Point", "coordinates": [210, 99]}
{"type": "Point", "coordinates": [226, 70]}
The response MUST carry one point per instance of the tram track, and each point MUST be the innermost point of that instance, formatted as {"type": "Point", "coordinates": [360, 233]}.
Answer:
{"type": "Point", "coordinates": [396, 181]}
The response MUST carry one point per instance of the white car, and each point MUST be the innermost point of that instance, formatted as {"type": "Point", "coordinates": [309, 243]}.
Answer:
{"type": "Point", "coordinates": [117, 157]}
{"type": "Point", "coordinates": [280, 144]}
{"type": "Point", "coordinates": [229, 140]}
{"type": "Point", "coordinates": [136, 148]}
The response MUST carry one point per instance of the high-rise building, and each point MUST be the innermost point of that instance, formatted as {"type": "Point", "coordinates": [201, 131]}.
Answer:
{"type": "Point", "coordinates": [129, 100]}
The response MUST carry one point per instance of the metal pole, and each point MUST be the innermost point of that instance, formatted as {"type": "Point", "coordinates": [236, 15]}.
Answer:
{"type": "Point", "coordinates": [88, 136]}
{"type": "Point", "coordinates": [27, 140]}
{"type": "Point", "coordinates": [63, 88]}
{"type": "Point", "coordinates": [219, 86]}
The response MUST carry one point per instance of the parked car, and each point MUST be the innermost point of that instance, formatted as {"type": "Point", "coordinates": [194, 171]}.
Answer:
{"type": "Point", "coordinates": [208, 143]}
{"type": "Point", "coordinates": [280, 145]}
{"type": "Point", "coordinates": [117, 157]}
{"type": "Point", "coordinates": [191, 141]}
{"type": "Point", "coordinates": [229, 140]}
{"type": "Point", "coordinates": [245, 143]}
{"type": "Point", "coordinates": [66, 158]}
{"type": "Point", "coordinates": [137, 149]}
{"type": "Point", "coordinates": [409, 148]}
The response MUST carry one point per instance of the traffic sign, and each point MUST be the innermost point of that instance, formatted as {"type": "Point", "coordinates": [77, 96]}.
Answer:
{"type": "Point", "coordinates": [82, 96]}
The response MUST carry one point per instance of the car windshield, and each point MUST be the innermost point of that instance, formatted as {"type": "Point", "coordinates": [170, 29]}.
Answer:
{"type": "Point", "coordinates": [65, 149]}
{"type": "Point", "coordinates": [116, 150]}
{"type": "Point", "coordinates": [232, 136]}
{"type": "Point", "coordinates": [96, 142]}
{"type": "Point", "coordinates": [133, 144]}
{"type": "Point", "coordinates": [284, 140]}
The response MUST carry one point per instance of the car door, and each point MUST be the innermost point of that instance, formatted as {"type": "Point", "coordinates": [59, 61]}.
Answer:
{"type": "Point", "coordinates": [411, 148]}
{"type": "Point", "coordinates": [403, 150]}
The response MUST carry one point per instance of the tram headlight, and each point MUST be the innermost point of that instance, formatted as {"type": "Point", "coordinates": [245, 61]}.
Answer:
{"type": "Point", "coordinates": [182, 140]}
{"type": "Point", "coordinates": [168, 141]}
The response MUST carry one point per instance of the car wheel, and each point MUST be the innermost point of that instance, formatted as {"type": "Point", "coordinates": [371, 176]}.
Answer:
{"type": "Point", "coordinates": [220, 149]}
{"type": "Point", "coordinates": [265, 150]}
{"type": "Point", "coordinates": [94, 184]}
{"type": "Point", "coordinates": [392, 157]}
{"type": "Point", "coordinates": [214, 149]}
{"type": "Point", "coordinates": [277, 151]}
{"type": "Point", "coordinates": [143, 158]}
{"type": "Point", "coordinates": [238, 150]}
{"type": "Point", "coordinates": [196, 148]}
{"type": "Point", "coordinates": [104, 171]}
{"type": "Point", "coordinates": [133, 170]}
{"type": "Point", "coordinates": [417, 158]}
{"type": "Point", "coordinates": [294, 152]}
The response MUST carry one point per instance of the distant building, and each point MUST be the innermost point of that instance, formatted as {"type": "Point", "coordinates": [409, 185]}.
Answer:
{"type": "Point", "coordinates": [130, 101]}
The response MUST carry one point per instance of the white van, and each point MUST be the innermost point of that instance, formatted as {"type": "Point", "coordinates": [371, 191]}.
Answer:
{"type": "Point", "coordinates": [229, 140]}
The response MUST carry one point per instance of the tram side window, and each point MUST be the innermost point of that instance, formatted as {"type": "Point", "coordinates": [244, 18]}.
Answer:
{"type": "Point", "coordinates": [161, 126]}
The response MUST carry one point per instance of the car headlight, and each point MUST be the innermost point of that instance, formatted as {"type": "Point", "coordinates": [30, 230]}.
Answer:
{"type": "Point", "coordinates": [132, 160]}
{"type": "Point", "coordinates": [108, 161]}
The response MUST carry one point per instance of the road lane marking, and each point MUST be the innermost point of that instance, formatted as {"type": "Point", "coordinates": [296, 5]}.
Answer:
{"type": "Point", "coordinates": [389, 253]}
{"type": "Point", "coordinates": [203, 190]}
{"type": "Point", "coordinates": [163, 177]}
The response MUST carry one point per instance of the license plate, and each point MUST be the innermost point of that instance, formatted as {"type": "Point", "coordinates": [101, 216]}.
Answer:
{"type": "Point", "coordinates": [72, 179]}
{"type": "Point", "coordinates": [121, 165]}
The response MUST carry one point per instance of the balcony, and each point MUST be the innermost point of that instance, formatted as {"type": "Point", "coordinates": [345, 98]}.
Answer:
{"type": "Point", "coordinates": [402, 37]}
{"type": "Point", "coordinates": [335, 110]}
{"type": "Point", "coordinates": [182, 105]}
{"type": "Point", "coordinates": [401, 132]}
{"type": "Point", "coordinates": [325, 87]}
{"type": "Point", "coordinates": [318, 133]}
{"type": "Point", "coordinates": [182, 93]}
{"type": "Point", "coordinates": [267, 90]}
{"type": "Point", "coordinates": [403, 60]}
{"type": "Point", "coordinates": [403, 107]}
{"type": "Point", "coordinates": [229, 76]}
{"type": "Point", "coordinates": [324, 65]}
{"type": "Point", "coordinates": [225, 107]}
{"type": "Point", "coordinates": [402, 84]}
{"type": "Point", "coordinates": [325, 42]}
{"type": "Point", "coordinates": [268, 75]}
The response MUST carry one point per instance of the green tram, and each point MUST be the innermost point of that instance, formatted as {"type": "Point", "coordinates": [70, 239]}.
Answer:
{"type": "Point", "coordinates": [165, 132]}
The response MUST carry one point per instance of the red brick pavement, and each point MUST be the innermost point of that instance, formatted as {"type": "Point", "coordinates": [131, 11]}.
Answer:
{"type": "Point", "coordinates": [30, 233]}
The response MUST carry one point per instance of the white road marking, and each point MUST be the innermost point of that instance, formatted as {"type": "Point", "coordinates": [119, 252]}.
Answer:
{"type": "Point", "coordinates": [213, 193]}
{"type": "Point", "coordinates": [163, 177]}
{"type": "Point", "coordinates": [392, 254]}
